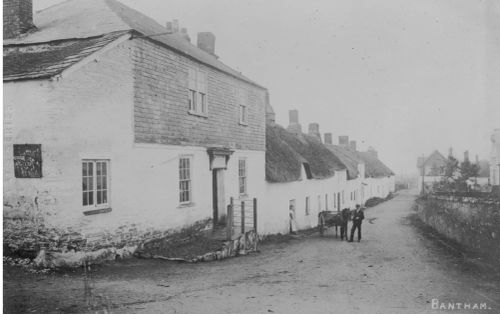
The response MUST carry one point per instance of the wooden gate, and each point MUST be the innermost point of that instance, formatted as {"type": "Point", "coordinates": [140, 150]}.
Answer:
{"type": "Point", "coordinates": [241, 217]}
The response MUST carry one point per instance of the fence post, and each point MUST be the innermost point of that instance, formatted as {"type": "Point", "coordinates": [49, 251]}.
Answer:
{"type": "Point", "coordinates": [229, 219]}
{"type": "Point", "coordinates": [255, 215]}
{"type": "Point", "coordinates": [242, 217]}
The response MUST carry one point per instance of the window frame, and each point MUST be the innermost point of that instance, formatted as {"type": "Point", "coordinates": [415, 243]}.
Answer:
{"type": "Point", "coordinates": [197, 92]}
{"type": "Point", "coordinates": [244, 177]}
{"type": "Point", "coordinates": [243, 114]}
{"type": "Point", "coordinates": [95, 189]}
{"type": "Point", "coordinates": [189, 180]}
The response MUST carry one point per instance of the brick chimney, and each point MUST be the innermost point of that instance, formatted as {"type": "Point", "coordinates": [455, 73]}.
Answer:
{"type": "Point", "coordinates": [206, 42]}
{"type": "Point", "coordinates": [294, 125]}
{"type": "Point", "coordinates": [450, 152]}
{"type": "Point", "coordinates": [352, 145]}
{"type": "Point", "coordinates": [314, 131]}
{"type": "Point", "coordinates": [328, 138]}
{"type": "Point", "coordinates": [344, 141]}
{"type": "Point", "coordinates": [17, 17]}
{"type": "Point", "coordinates": [466, 155]}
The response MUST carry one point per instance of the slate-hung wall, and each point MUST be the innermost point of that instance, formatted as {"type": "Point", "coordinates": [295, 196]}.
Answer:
{"type": "Point", "coordinates": [161, 103]}
{"type": "Point", "coordinates": [17, 17]}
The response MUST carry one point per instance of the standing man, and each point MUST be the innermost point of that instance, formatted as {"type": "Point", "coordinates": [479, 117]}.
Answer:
{"type": "Point", "coordinates": [357, 219]}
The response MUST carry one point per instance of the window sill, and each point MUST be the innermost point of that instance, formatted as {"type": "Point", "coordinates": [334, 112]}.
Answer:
{"type": "Point", "coordinates": [97, 211]}
{"type": "Point", "coordinates": [185, 205]}
{"type": "Point", "coordinates": [243, 123]}
{"type": "Point", "coordinates": [198, 114]}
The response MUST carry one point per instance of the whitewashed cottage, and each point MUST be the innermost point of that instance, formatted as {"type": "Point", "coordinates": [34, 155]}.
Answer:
{"type": "Point", "coordinates": [117, 127]}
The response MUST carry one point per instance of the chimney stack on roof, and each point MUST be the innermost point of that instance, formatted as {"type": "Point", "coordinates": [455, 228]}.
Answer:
{"type": "Point", "coordinates": [352, 145]}
{"type": "Point", "coordinates": [466, 155]}
{"type": "Point", "coordinates": [373, 152]}
{"type": "Point", "coordinates": [294, 125]}
{"type": "Point", "coordinates": [314, 131]}
{"type": "Point", "coordinates": [185, 35]}
{"type": "Point", "coordinates": [206, 42]}
{"type": "Point", "coordinates": [344, 141]}
{"type": "Point", "coordinates": [270, 115]}
{"type": "Point", "coordinates": [328, 138]}
{"type": "Point", "coordinates": [450, 152]}
{"type": "Point", "coordinates": [175, 26]}
{"type": "Point", "coordinates": [17, 17]}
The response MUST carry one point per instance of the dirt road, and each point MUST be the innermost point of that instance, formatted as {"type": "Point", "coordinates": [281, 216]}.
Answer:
{"type": "Point", "coordinates": [396, 268]}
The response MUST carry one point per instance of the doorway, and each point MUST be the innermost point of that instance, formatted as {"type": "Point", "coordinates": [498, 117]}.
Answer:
{"type": "Point", "coordinates": [218, 197]}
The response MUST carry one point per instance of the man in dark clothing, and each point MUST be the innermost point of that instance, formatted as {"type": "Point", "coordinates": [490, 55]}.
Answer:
{"type": "Point", "coordinates": [357, 219]}
{"type": "Point", "coordinates": [343, 227]}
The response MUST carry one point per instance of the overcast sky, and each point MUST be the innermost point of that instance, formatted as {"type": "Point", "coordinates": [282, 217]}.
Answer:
{"type": "Point", "coordinates": [405, 77]}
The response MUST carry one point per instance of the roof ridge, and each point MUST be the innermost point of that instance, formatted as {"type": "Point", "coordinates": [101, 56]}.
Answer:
{"type": "Point", "coordinates": [61, 40]}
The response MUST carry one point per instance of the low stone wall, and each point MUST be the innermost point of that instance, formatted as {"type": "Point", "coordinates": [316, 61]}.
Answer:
{"type": "Point", "coordinates": [27, 236]}
{"type": "Point", "coordinates": [199, 248]}
{"type": "Point", "coordinates": [242, 245]}
{"type": "Point", "coordinates": [473, 222]}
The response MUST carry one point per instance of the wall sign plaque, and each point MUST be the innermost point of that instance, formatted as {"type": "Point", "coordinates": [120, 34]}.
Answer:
{"type": "Point", "coordinates": [28, 160]}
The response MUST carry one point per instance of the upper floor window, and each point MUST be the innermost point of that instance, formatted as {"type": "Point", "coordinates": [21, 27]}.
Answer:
{"type": "Point", "coordinates": [197, 92]}
{"type": "Point", "coordinates": [242, 174]}
{"type": "Point", "coordinates": [185, 190]}
{"type": "Point", "coordinates": [319, 203]}
{"type": "Point", "coordinates": [326, 201]}
{"type": "Point", "coordinates": [95, 183]}
{"type": "Point", "coordinates": [243, 115]}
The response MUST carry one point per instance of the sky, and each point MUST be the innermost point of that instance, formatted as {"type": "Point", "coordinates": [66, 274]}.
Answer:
{"type": "Point", "coordinates": [406, 77]}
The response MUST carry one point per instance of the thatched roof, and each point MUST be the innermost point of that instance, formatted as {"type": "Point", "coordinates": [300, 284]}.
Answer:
{"type": "Point", "coordinates": [374, 168]}
{"type": "Point", "coordinates": [348, 157]}
{"type": "Point", "coordinates": [286, 153]}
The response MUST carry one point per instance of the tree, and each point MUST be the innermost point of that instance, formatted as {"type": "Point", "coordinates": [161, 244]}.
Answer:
{"type": "Point", "coordinates": [468, 170]}
{"type": "Point", "coordinates": [456, 175]}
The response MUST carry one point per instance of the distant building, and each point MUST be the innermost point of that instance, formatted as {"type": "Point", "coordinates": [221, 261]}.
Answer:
{"type": "Point", "coordinates": [306, 176]}
{"type": "Point", "coordinates": [303, 178]}
{"type": "Point", "coordinates": [430, 169]}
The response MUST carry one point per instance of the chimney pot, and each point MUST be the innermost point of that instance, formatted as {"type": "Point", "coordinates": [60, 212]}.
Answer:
{"type": "Point", "coordinates": [344, 140]}
{"type": "Point", "coordinates": [328, 138]}
{"type": "Point", "coordinates": [206, 42]}
{"type": "Point", "coordinates": [17, 17]}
